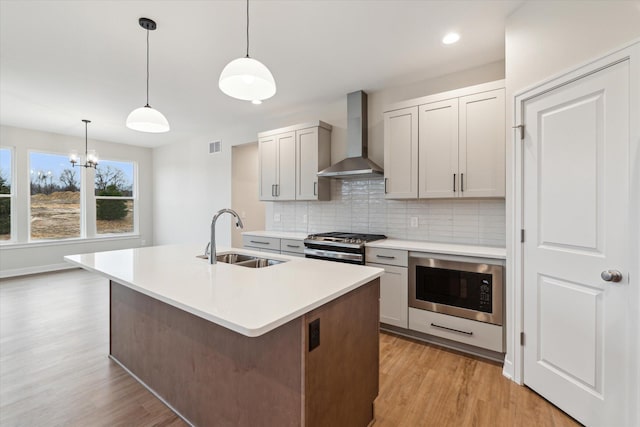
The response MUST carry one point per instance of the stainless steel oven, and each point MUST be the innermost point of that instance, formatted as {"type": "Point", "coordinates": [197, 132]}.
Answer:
{"type": "Point", "coordinates": [464, 289]}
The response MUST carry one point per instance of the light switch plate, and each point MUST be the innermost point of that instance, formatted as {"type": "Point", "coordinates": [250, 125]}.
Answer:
{"type": "Point", "coordinates": [304, 218]}
{"type": "Point", "coordinates": [414, 221]}
{"type": "Point", "coordinates": [276, 217]}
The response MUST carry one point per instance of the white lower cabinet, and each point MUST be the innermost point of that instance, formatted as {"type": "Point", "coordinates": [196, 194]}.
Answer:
{"type": "Point", "coordinates": [394, 289]}
{"type": "Point", "coordinates": [479, 334]}
{"type": "Point", "coordinates": [274, 245]}
{"type": "Point", "coordinates": [271, 244]}
{"type": "Point", "coordinates": [292, 247]}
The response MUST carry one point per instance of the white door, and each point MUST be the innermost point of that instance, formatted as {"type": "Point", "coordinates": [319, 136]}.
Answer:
{"type": "Point", "coordinates": [394, 296]}
{"type": "Point", "coordinates": [576, 216]}
{"type": "Point", "coordinates": [401, 153]}
{"type": "Point", "coordinates": [438, 149]}
{"type": "Point", "coordinates": [482, 162]}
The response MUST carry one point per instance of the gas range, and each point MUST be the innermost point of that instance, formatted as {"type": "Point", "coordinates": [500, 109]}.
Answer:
{"type": "Point", "coordinates": [339, 246]}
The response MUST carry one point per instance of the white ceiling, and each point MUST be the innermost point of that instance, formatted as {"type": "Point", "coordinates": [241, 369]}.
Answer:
{"type": "Point", "coordinates": [63, 61]}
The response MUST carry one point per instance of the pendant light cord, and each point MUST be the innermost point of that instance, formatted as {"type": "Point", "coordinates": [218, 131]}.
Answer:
{"type": "Point", "coordinates": [86, 150]}
{"type": "Point", "coordinates": [247, 28]}
{"type": "Point", "coordinates": [147, 69]}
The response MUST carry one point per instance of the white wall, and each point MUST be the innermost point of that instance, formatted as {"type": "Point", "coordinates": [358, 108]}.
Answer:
{"type": "Point", "coordinates": [544, 39]}
{"type": "Point", "coordinates": [183, 212]}
{"type": "Point", "coordinates": [25, 257]}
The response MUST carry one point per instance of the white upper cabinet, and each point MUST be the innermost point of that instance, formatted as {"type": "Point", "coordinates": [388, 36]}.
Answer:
{"type": "Point", "coordinates": [313, 148]}
{"type": "Point", "coordinates": [438, 149]}
{"type": "Point", "coordinates": [290, 159]}
{"type": "Point", "coordinates": [401, 153]}
{"type": "Point", "coordinates": [268, 164]}
{"type": "Point", "coordinates": [286, 185]}
{"type": "Point", "coordinates": [459, 139]}
{"type": "Point", "coordinates": [482, 138]}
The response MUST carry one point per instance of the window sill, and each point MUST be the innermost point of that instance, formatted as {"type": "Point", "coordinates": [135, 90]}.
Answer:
{"type": "Point", "coordinates": [75, 241]}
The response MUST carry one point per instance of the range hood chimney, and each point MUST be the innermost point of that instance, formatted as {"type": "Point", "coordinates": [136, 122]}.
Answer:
{"type": "Point", "coordinates": [356, 165]}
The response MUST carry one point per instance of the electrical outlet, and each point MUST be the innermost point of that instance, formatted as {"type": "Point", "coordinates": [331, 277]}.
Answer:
{"type": "Point", "coordinates": [276, 217]}
{"type": "Point", "coordinates": [143, 242]}
{"type": "Point", "coordinates": [314, 334]}
{"type": "Point", "coordinates": [304, 218]}
{"type": "Point", "coordinates": [414, 221]}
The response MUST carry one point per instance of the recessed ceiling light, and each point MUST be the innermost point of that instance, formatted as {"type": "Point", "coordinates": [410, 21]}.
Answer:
{"type": "Point", "coordinates": [451, 38]}
{"type": "Point", "coordinates": [256, 102]}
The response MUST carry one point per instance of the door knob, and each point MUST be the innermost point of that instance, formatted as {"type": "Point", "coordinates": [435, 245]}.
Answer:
{"type": "Point", "coordinates": [611, 276]}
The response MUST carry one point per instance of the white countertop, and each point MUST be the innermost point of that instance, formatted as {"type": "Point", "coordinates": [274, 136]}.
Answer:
{"type": "Point", "coordinates": [250, 301]}
{"type": "Point", "coordinates": [441, 248]}
{"type": "Point", "coordinates": [277, 234]}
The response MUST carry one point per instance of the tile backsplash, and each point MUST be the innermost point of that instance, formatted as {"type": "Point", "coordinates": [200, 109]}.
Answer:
{"type": "Point", "coordinates": [360, 206]}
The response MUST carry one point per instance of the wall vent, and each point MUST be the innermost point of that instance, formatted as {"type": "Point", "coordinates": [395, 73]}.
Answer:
{"type": "Point", "coordinates": [215, 147]}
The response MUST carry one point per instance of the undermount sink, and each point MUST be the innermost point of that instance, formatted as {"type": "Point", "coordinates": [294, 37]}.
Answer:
{"type": "Point", "coordinates": [244, 260]}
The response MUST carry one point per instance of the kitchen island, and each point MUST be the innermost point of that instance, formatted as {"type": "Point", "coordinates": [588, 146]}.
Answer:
{"type": "Point", "coordinates": [294, 343]}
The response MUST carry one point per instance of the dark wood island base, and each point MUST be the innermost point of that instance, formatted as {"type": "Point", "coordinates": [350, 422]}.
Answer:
{"type": "Point", "coordinates": [212, 376]}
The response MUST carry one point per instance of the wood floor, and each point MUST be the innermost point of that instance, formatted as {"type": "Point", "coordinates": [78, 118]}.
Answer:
{"type": "Point", "coordinates": [54, 370]}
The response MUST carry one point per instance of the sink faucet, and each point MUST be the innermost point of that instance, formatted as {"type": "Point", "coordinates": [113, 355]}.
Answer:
{"type": "Point", "coordinates": [212, 243]}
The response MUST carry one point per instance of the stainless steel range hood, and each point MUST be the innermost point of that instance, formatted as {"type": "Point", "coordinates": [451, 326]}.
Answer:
{"type": "Point", "coordinates": [356, 165]}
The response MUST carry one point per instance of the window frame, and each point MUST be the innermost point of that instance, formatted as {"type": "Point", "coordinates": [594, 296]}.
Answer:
{"type": "Point", "coordinates": [11, 196]}
{"type": "Point", "coordinates": [133, 198]}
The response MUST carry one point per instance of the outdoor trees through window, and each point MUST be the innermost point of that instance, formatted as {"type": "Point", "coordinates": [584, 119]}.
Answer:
{"type": "Point", "coordinates": [114, 191]}
{"type": "Point", "coordinates": [55, 197]}
{"type": "Point", "coordinates": [5, 194]}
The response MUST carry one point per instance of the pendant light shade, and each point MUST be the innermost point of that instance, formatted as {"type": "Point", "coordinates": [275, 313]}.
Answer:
{"type": "Point", "coordinates": [246, 78]}
{"type": "Point", "coordinates": [147, 119]}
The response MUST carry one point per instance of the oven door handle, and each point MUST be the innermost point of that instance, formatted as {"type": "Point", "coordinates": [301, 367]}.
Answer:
{"type": "Point", "coordinates": [333, 254]}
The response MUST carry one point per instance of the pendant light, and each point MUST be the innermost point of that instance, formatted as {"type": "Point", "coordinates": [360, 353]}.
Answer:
{"type": "Point", "coordinates": [246, 78]}
{"type": "Point", "coordinates": [147, 119]}
{"type": "Point", "coordinates": [91, 157]}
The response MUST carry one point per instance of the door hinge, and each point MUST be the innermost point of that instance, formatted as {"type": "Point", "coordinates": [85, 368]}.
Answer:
{"type": "Point", "coordinates": [522, 338]}
{"type": "Point", "coordinates": [522, 235]}
{"type": "Point", "coordinates": [521, 127]}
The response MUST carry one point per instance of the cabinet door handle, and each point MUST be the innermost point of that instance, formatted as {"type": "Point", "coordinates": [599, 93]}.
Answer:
{"type": "Point", "coordinates": [385, 257]}
{"type": "Point", "coordinates": [315, 188]}
{"type": "Point", "coordinates": [273, 191]}
{"type": "Point", "coordinates": [293, 246]}
{"type": "Point", "coordinates": [454, 182]}
{"type": "Point", "coordinates": [452, 330]}
{"type": "Point", "coordinates": [385, 185]}
{"type": "Point", "coordinates": [277, 190]}
{"type": "Point", "coordinates": [462, 183]}
{"type": "Point", "coordinates": [259, 242]}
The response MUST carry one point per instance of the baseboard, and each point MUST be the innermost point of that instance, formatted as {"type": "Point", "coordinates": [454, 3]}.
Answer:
{"type": "Point", "coordinates": [35, 270]}
{"type": "Point", "coordinates": [507, 370]}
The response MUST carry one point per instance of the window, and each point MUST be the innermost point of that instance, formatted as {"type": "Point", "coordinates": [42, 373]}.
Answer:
{"type": "Point", "coordinates": [55, 197]}
{"type": "Point", "coordinates": [5, 193]}
{"type": "Point", "coordinates": [115, 197]}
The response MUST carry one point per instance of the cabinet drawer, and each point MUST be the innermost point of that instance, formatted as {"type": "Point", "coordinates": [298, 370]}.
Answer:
{"type": "Point", "coordinates": [466, 331]}
{"type": "Point", "coordinates": [289, 245]}
{"type": "Point", "coordinates": [387, 256]}
{"type": "Point", "coordinates": [271, 243]}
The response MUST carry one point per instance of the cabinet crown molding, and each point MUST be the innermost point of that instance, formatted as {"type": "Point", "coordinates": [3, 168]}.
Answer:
{"type": "Point", "coordinates": [300, 126]}
{"type": "Point", "coordinates": [442, 96]}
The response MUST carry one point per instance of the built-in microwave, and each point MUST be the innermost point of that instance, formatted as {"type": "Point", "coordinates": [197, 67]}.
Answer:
{"type": "Point", "coordinates": [472, 290]}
